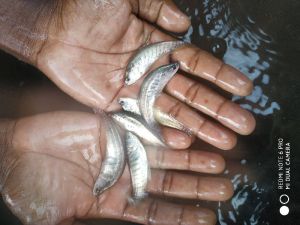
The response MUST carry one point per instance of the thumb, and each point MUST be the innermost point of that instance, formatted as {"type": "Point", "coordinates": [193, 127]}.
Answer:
{"type": "Point", "coordinates": [164, 13]}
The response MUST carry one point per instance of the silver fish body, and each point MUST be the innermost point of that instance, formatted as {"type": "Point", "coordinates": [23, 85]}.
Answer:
{"type": "Point", "coordinates": [113, 164]}
{"type": "Point", "coordinates": [151, 88]}
{"type": "Point", "coordinates": [135, 124]}
{"type": "Point", "coordinates": [131, 105]}
{"type": "Point", "coordinates": [146, 56]}
{"type": "Point", "coordinates": [138, 165]}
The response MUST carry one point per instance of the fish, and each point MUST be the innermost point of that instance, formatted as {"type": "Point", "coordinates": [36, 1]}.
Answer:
{"type": "Point", "coordinates": [113, 164]}
{"type": "Point", "coordinates": [170, 121]}
{"type": "Point", "coordinates": [135, 124]}
{"type": "Point", "coordinates": [146, 56]}
{"type": "Point", "coordinates": [151, 88]}
{"type": "Point", "coordinates": [138, 166]}
{"type": "Point", "coordinates": [131, 105]}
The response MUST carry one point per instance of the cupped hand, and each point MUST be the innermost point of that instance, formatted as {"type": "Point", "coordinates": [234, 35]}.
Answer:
{"type": "Point", "coordinates": [90, 43]}
{"type": "Point", "coordinates": [48, 172]}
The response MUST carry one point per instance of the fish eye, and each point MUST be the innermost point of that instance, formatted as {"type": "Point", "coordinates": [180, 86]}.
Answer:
{"type": "Point", "coordinates": [127, 79]}
{"type": "Point", "coordinates": [175, 65]}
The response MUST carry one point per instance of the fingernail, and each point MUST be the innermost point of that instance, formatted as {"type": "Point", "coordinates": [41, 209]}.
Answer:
{"type": "Point", "coordinates": [217, 136]}
{"type": "Point", "coordinates": [179, 141]}
{"type": "Point", "coordinates": [215, 189]}
{"type": "Point", "coordinates": [206, 162]}
{"type": "Point", "coordinates": [234, 81]}
{"type": "Point", "coordinates": [236, 118]}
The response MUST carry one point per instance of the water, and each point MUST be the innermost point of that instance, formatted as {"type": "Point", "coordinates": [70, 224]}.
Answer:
{"type": "Point", "coordinates": [260, 38]}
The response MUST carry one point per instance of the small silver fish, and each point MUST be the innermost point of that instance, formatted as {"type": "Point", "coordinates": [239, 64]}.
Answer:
{"type": "Point", "coordinates": [138, 165]}
{"type": "Point", "coordinates": [146, 56]}
{"type": "Point", "coordinates": [151, 88]}
{"type": "Point", "coordinates": [131, 105]}
{"type": "Point", "coordinates": [135, 124]}
{"type": "Point", "coordinates": [114, 162]}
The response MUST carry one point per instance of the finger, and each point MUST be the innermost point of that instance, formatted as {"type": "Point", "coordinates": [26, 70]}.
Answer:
{"type": "Point", "coordinates": [154, 212]}
{"type": "Point", "coordinates": [176, 139]}
{"type": "Point", "coordinates": [203, 128]}
{"type": "Point", "coordinates": [114, 204]}
{"type": "Point", "coordinates": [173, 184]}
{"type": "Point", "coordinates": [202, 64]}
{"type": "Point", "coordinates": [192, 160]}
{"type": "Point", "coordinates": [164, 13]}
{"type": "Point", "coordinates": [158, 212]}
{"type": "Point", "coordinates": [209, 102]}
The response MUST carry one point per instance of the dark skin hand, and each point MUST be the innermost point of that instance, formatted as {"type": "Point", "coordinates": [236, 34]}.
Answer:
{"type": "Point", "coordinates": [86, 45]}
{"type": "Point", "coordinates": [51, 161]}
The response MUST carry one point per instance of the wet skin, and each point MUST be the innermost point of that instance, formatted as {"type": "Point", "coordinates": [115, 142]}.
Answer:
{"type": "Point", "coordinates": [89, 44]}
{"type": "Point", "coordinates": [52, 160]}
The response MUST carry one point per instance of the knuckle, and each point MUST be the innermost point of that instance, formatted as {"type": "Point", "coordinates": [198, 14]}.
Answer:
{"type": "Point", "coordinates": [167, 182]}
{"type": "Point", "coordinates": [175, 109]}
{"type": "Point", "coordinates": [152, 210]}
{"type": "Point", "coordinates": [194, 60]}
{"type": "Point", "coordinates": [192, 92]}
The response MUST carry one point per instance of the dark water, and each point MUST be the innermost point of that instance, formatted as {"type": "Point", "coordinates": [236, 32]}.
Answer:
{"type": "Point", "coordinates": [262, 39]}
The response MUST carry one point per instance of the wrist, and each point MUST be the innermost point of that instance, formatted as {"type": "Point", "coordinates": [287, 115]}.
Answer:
{"type": "Point", "coordinates": [24, 26]}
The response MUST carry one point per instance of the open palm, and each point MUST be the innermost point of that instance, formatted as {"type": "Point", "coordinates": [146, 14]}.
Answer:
{"type": "Point", "coordinates": [90, 43]}
{"type": "Point", "coordinates": [54, 159]}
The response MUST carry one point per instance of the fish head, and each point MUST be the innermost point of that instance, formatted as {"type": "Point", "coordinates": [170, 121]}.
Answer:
{"type": "Point", "coordinates": [100, 187]}
{"type": "Point", "coordinates": [166, 72]}
{"type": "Point", "coordinates": [130, 74]}
{"type": "Point", "coordinates": [122, 102]}
{"type": "Point", "coordinates": [118, 117]}
{"type": "Point", "coordinates": [127, 79]}
{"type": "Point", "coordinates": [129, 104]}
{"type": "Point", "coordinates": [173, 67]}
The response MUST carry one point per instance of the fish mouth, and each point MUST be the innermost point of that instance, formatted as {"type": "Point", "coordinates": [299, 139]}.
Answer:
{"type": "Point", "coordinates": [175, 66]}
{"type": "Point", "coordinates": [172, 67]}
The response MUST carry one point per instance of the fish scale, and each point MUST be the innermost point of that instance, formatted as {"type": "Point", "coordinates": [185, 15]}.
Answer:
{"type": "Point", "coordinates": [114, 162]}
{"type": "Point", "coordinates": [135, 124]}
{"type": "Point", "coordinates": [138, 165]}
{"type": "Point", "coordinates": [132, 105]}
{"type": "Point", "coordinates": [146, 56]}
{"type": "Point", "coordinates": [151, 88]}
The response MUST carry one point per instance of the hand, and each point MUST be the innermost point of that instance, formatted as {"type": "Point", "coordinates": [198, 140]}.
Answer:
{"type": "Point", "coordinates": [52, 160]}
{"type": "Point", "coordinates": [90, 43]}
